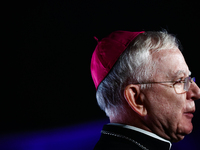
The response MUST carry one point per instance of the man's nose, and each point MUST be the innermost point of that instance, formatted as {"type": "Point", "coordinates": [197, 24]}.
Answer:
{"type": "Point", "coordinates": [193, 92]}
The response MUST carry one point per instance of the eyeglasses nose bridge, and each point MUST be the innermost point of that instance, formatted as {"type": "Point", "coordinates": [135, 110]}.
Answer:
{"type": "Point", "coordinates": [193, 79]}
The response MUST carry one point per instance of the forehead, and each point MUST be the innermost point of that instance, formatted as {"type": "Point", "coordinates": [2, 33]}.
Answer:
{"type": "Point", "coordinates": [170, 64]}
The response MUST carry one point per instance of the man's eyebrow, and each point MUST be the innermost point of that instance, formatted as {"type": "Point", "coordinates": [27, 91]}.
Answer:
{"type": "Point", "coordinates": [180, 72]}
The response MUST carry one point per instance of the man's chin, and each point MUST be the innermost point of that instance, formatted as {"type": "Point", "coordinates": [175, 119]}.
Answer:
{"type": "Point", "coordinates": [188, 129]}
{"type": "Point", "coordinates": [187, 126]}
{"type": "Point", "coordinates": [183, 132]}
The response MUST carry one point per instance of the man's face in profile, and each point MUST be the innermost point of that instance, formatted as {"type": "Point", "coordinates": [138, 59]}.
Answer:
{"type": "Point", "coordinates": [170, 114]}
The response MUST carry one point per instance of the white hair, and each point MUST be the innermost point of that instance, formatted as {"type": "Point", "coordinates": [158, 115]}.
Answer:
{"type": "Point", "coordinates": [135, 65]}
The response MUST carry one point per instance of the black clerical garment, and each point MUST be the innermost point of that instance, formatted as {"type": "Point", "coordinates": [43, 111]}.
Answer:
{"type": "Point", "coordinates": [115, 137]}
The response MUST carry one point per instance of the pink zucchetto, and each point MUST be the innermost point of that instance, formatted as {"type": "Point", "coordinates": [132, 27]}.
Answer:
{"type": "Point", "coordinates": [107, 53]}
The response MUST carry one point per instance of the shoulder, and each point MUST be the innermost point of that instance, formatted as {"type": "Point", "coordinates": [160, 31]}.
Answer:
{"type": "Point", "coordinates": [111, 142]}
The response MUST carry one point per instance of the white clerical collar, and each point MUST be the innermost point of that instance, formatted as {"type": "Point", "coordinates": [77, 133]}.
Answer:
{"type": "Point", "coordinates": [142, 131]}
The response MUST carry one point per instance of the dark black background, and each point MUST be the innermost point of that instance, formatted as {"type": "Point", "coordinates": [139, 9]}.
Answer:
{"type": "Point", "coordinates": [49, 44]}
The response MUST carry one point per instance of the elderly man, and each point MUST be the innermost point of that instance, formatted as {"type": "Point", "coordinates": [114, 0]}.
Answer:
{"type": "Point", "coordinates": [144, 86]}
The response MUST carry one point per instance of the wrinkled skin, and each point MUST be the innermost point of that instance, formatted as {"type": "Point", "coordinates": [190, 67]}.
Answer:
{"type": "Point", "coordinates": [169, 114]}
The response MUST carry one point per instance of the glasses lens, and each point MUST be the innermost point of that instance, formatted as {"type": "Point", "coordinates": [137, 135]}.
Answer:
{"type": "Point", "coordinates": [182, 87]}
{"type": "Point", "coordinates": [179, 87]}
{"type": "Point", "coordinates": [187, 83]}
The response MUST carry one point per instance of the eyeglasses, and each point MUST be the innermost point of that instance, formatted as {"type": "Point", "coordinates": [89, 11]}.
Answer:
{"type": "Point", "coordinates": [180, 86]}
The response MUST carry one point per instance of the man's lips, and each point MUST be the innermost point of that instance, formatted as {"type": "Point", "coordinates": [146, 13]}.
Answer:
{"type": "Point", "coordinates": [189, 114]}
{"type": "Point", "coordinates": [190, 109]}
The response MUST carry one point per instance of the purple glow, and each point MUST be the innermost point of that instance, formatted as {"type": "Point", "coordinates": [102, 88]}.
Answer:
{"type": "Point", "coordinates": [78, 137]}
{"type": "Point", "coordinates": [82, 136]}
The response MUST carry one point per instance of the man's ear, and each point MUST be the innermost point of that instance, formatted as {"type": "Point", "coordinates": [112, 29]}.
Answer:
{"type": "Point", "coordinates": [133, 96]}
